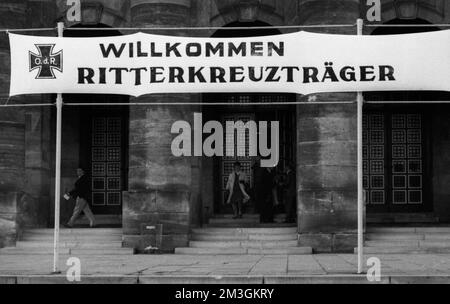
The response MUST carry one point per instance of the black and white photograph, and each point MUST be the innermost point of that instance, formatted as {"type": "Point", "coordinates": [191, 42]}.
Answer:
{"type": "Point", "coordinates": [256, 144]}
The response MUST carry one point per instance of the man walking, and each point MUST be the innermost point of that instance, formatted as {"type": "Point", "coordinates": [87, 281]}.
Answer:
{"type": "Point", "coordinates": [81, 193]}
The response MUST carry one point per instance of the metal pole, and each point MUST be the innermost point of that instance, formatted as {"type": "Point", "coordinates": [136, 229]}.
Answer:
{"type": "Point", "coordinates": [59, 104]}
{"type": "Point", "coordinates": [360, 102]}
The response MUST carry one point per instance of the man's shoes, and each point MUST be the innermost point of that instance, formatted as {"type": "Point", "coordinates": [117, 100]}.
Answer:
{"type": "Point", "coordinates": [68, 226]}
{"type": "Point", "coordinates": [93, 226]}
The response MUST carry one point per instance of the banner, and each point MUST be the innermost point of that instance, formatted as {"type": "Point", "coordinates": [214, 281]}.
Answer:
{"type": "Point", "coordinates": [299, 62]}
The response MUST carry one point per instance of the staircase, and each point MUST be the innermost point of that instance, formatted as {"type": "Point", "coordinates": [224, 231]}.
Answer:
{"type": "Point", "coordinates": [266, 239]}
{"type": "Point", "coordinates": [76, 242]}
{"type": "Point", "coordinates": [247, 221]}
{"type": "Point", "coordinates": [416, 240]}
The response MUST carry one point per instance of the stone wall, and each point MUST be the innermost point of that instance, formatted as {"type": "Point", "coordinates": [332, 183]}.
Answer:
{"type": "Point", "coordinates": [12, 133]}
{"type": "Point", "coordinates": [326, 176]}
{"type": "Point", "coordinates": [25, 134]}
{"type": "Point", "coordinates": [326, 149]}
{"type": "Point", "coordinates": [38, 126]}
{"type": "Point", "coordinates": [161, 187]}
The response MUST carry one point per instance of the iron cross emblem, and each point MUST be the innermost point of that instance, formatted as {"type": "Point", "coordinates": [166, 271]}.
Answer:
{"type": "Point", "coordinates": [46, 61]}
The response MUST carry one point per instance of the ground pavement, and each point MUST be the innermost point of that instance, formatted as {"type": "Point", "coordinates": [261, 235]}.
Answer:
{"type": "Point", "coordinates": [169, 268]}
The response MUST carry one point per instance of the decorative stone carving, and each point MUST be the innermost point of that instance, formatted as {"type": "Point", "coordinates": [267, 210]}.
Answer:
{"type": "Point", "coordinates": [406, 9]}
{"type": "Point", "coordinates": [248, 10]}
{"type": "Point", "coordinates": [91, 13]}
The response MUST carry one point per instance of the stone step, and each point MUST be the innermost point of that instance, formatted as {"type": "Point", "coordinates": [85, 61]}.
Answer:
{"type": "Point", "coordinates": [407, 236]}
{"type": "Point", "coordinates": [37, 251]}
{"type": "Point", "coordinates": [48, 251]}
{"type": "Point", "coordinates": [405, 250]}
{"type": "Point", "coordinates": [217, 238]}
{"type": "Point", "coordinates": [88, 241]}
{"type": "Point", "coordinates": [221, 251]}
{"type": "Point", "coordinates": [117, 251]}
{"type": "Point", "coordinates": [393, 243]}
{"type": "Point", "coordinates": [65, 244]}
{"type": "Point", "coordinates": [247, 215]}
{"type": "Point", "coordinates": [109, 220]}
{"type": "Point", "coordinates": [247, 225]}
{"type": "Point", "coordinates": [246, 231]}
{"type": "Point", "coordinates": [288, 250]}
{"type": "Point", "coordinates": [67, 238]}
{"type": "Point", "coordinates": [392, 230]}
{"type": "Point", "coordinates": [393, 236]}
{"type": "Point", "coordinates": [402, 218]}
{"type": "Point", "coordinates": [242, 244]}
{"type": "Point", "coordinates": [86, 235]}
{"type": "Point", "coordinates": [247, 220]}
{"type": "Point", "coordinates": [408, 243]}
{"type": "Point", "coordinates": [237, 250]}
{"type": "Point", "coordinates": [437, 236]}
{"type": "Point", "coordinates": [229, 216]}
{"type": "Point", "coordinates": [433, 230]}
{"type": "Point", "coordinates": [215, 221]}
{"type": "Point", "coordinates": [75, 231]}
{"type": "Point", "coordinates": [255, 237]}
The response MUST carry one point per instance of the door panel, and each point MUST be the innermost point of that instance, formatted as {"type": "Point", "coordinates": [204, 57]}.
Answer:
{"type": "Point", "coordinates": [393, 152]}
{"type": "Point", "coordinates": [107, 176]}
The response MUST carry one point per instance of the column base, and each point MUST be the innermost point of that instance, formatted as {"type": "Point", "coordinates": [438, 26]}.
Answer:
{"type": "Point", "coordinates": [329, 242]}
{"type": "Point", "coordinates": [168, 243]}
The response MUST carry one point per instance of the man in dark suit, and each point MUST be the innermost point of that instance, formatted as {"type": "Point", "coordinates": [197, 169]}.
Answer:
{"type": "Point", "coordinates": [81, 193]}
{"type": "Point", "coordinates": [265, 187]}
{"type": "Point", "coordinates": [290, 194]}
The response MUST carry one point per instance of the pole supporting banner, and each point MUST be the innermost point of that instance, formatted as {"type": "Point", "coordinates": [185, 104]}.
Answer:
{"type": "Point", "coordinates": [59, 104]}
{"type": "Point", "coordinates": [360, 102]}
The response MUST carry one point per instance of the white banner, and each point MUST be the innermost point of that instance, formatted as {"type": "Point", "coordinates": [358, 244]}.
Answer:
{"type": "Point", "coordinates": [300, 63]}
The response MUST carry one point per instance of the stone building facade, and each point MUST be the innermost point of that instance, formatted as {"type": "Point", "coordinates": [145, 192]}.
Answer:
{"type": "Point", "coordinates": [406, 164]}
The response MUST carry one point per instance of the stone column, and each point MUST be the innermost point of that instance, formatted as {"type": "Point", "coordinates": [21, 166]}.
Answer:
{"type": "Point", "coordinates": [12, 131]}
{"type": "Point", "coordinates": [326, 150]}
{"type": "Point", "coordinates": [38, 124]}
{"type": "Point", "coordinates": [159, 183]}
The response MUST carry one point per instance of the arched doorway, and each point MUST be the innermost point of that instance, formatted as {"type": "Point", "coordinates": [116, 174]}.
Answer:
{"type": "Point", "coordinates": [99, 140]}
{"type": "Point", "coordinates": [399, 142]}
{"type": "Point", "coordinates": [284, 114]}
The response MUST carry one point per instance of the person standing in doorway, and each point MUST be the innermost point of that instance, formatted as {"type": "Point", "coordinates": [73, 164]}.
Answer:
{"type": "Point", "coordinates": [267, 194]}
{"type": "Point", "coordinates": [236, 187]}
{"type": "Point", "coordinates": [290, 190]}
{"type": "Point", "coordinates": [81, 193]}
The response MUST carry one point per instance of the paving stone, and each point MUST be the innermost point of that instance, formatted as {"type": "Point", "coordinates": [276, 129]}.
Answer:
{"type": "Point", "coordinates": [321, 279]}
{"type": "Point", "coordinates": [7, 279]}
{"type": "Point", "coordinates": [216, 279]}
{"type": "Point", "coordinates": [318, 268]}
